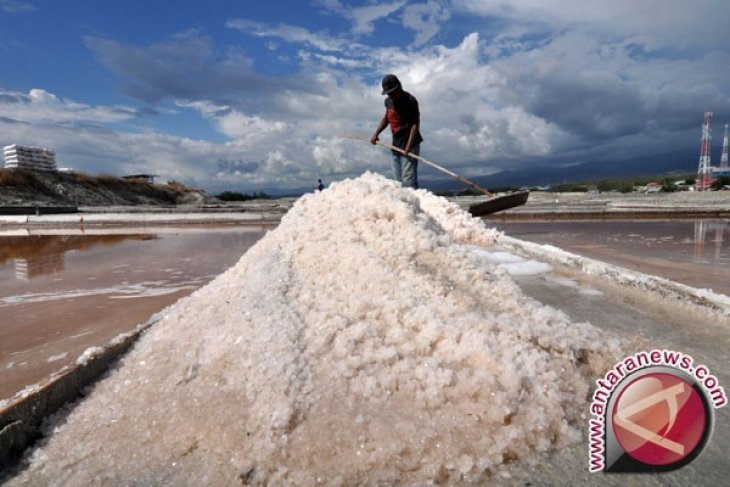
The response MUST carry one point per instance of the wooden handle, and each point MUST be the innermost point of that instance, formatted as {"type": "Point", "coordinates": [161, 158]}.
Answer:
{"type": "Point", "coordinates": [426, 161]}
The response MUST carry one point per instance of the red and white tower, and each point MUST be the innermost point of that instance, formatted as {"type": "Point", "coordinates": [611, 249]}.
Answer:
{"type": "Point", "coordinates": [704, 176]}
{"type": "Point", "coordinates": [723, 157]}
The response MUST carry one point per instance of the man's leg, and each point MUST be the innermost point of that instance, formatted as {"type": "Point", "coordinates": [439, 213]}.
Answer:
{"type": "Point", "coordinates": [410, 169]}
{"type": "Point", "coordinates": [397, 168]}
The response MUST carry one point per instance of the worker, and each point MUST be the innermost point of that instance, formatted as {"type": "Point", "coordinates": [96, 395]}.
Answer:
{"type": "Point", "coordinates": [320, 185]}
{"type": "Point", "coordinates": [403, 116]}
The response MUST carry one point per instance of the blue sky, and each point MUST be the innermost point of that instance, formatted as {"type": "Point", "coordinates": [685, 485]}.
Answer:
{"type": "Point", "coordinates": [254, 95]}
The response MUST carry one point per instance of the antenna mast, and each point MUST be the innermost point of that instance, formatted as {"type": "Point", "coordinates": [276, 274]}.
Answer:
{"type": "Point", "coordinates": [703, 171]}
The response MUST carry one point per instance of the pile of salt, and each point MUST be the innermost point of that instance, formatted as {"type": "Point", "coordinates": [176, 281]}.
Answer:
{"type": "Point", "coordinates": [362, 341]}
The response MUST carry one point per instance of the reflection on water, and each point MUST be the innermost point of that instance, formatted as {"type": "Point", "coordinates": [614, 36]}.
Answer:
{"type": "Point", "coordinates": [35, 256]}
{"type": "Point", "coordinates": [38, 265]}
{"type": "Point", "coordinates": [702, 227]}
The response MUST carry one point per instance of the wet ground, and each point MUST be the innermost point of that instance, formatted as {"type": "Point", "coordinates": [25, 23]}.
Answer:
{"type": "Point", "coordinates": [64, 293]}
{"type": "Point", "coordinates": [693, 252]}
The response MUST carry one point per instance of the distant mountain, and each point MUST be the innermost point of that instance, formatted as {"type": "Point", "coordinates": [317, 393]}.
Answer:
{"type": "Point", "coordinates": [685, 162]}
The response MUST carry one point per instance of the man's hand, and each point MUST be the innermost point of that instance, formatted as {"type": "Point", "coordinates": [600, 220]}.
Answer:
{"type": "Point", "coordinates": [374, 139]}
{"type": "Point", "coordinates": [407, 151]}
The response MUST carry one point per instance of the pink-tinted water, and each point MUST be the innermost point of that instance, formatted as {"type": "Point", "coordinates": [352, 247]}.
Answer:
{"type": "Point", "coordinates": [696, 253]}
{"type": "Point", "coordinates": [61, 294]}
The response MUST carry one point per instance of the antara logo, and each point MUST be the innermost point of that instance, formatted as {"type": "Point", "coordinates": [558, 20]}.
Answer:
{"type": "Point", "coordinates": [652, 413]}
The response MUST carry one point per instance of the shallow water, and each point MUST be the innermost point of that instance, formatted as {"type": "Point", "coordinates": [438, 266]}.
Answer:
{"type": "Point", "coordinates": [64, 293]}
{"type": "Point", "coordinates": [696, 253]}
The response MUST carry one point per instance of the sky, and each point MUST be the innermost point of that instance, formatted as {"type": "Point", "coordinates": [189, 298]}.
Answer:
{"type": "Point", "coordinates": [249, 96]}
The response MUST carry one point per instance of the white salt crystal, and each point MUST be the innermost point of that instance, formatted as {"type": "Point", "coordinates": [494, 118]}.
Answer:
{"type": "Point", "coordinates": [88, 354]}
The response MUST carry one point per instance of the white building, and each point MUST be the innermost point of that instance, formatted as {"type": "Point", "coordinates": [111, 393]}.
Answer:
{"type": "Point", "coordinates": [33, 158]}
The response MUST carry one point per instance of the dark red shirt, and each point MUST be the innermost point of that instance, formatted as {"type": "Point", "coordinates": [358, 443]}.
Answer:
{"type": "Point", "coordinates": [402, 115]}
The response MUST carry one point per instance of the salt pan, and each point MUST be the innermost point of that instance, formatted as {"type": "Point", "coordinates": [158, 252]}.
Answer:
{"type": "Point", "coordinates": [360, 342]}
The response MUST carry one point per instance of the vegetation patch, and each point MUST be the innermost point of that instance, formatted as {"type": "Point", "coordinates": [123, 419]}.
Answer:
{"type": "Point", "coordinates": [235, 196]}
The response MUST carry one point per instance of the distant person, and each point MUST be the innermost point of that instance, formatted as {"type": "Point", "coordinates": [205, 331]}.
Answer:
{"type": "Point", "coordinates": [403, 116]}
{"type": "Point", "coordinates": [320, 186]}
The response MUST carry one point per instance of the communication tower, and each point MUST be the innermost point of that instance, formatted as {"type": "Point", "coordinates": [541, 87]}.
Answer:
{"type": "Point", "coordinates": [704, 178]}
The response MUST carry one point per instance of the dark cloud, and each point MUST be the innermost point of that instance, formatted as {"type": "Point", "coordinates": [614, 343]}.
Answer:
{"type": "Point", "coordinates": [188, 68]}
{"type": "Point", "coordinates": [595, 109]}
{"type": "Point", "coordinates": [12, 121]}
{"type": "Point", "coordinates": [603, 108]}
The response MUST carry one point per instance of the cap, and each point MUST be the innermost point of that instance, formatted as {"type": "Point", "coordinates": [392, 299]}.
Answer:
{"type": "Point", "coordinates": [390, 83]}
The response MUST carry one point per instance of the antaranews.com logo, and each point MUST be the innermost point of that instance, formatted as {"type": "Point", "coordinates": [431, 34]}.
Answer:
{"type": "Point", "coordinates": [652, 412]}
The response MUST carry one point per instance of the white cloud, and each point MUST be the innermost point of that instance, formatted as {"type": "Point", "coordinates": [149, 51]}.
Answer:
{"type": "Point", "coordinates": [16, 6]}
{"type": "Point", "coordinates": [464, 120]}
{"type": "Point", "coordinates": [289, 33]}
{"type": "Point", "coordinates": [461, 120]}
{"type": "Point", "coordinates": [215, 167]}
{"type": "Point", "coordinates": [425, 19]}
{"type": "Point", "coordinates": [246, 130]}
{"type": "Point", "coordinates": [363, 18]}
{"type": "Point", "coordinates": [41, 106]}
{"type": "Point", "coordinates": [653, 23]}
{"type": "Point", "coordinates": [274, 150]}
{"type": "Point", "coordinates": [337, 61]}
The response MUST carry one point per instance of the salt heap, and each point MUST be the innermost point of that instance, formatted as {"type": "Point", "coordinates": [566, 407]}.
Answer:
{"type": "Point", "coordinates": [363, 341]}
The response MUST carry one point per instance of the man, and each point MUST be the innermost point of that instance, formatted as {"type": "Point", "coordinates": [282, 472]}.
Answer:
{"type": "Point", "coordinates": [401, 112]}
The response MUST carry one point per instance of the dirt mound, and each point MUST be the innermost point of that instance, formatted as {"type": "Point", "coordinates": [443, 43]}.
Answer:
{"type": "Point", "coordinates": [20, 187]}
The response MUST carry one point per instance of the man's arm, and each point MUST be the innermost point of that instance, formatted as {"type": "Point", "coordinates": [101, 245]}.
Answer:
{"type": "Point", "coordinates": [415, 117]}
{"type": "Point", "coordinates": [411, 138]}
{"type": "Point", "coordinates": [381, 126]}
